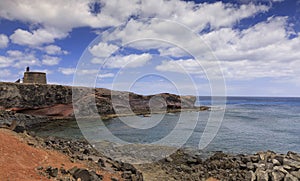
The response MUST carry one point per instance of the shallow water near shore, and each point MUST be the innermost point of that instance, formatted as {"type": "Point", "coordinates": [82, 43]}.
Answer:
{"type": "Point", "coordinates": [249, 125]}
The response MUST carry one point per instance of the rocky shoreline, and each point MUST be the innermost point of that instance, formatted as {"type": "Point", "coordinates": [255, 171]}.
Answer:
{"type": "Point", "coordinates": [21, 109]}
{"type": "Point", "coordinates": [184, 164]}
{"type": "Point", "coordinates": [187, 164]}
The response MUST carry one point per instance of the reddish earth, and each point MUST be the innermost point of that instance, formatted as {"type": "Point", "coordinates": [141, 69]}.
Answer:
{"type": "Point", "coordinates": [61, 110]}
{"type": "Point", "coordinates": [18, 160]}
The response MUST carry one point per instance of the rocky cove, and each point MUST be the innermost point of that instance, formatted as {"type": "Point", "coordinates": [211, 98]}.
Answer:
{"type": "Point", "coordinates": [78, 160]}
{"type": "Point", "coordinates": [24, 106]}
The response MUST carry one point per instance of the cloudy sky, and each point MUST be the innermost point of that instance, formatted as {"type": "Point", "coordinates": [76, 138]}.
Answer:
{"type": "Point", "coordinates": [156, 46]}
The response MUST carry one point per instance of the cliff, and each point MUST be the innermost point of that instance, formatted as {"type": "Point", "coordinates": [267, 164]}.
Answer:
{"type": "Point", "coordinates": [56, 101]}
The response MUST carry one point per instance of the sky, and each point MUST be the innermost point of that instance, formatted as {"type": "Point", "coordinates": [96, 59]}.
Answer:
{"type": "Point", "coordinates": [149, 47]}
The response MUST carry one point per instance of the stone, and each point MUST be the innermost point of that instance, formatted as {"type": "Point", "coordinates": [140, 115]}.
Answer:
{"type": "Point", "coordinates": [95, 177]}
{"type": "Point", "coordinates": [277, 176]}
{"type": "Point", "coordinates": [250, 166]}
{"type": "Point", "coordinates": [293, 156]}
{"type": "Point", "coordinates": [279, 158]}
{"type": "Point", "coordinates": [169, 159]}
{"type": "Point", "coordinates": [250, 176]}
{"type": "Point", "coordinates": [289, 177]}
{"type": "Point", "coordinates": [291, 163]}
{"type": "Point", "coordinates": [259, 165]}
{"type": "Point", "coordinates": [19, 129]}
{"type": "Point", "coordinates": [126, 174]}
{"type": "Point", "coordinates": [262, 175]}
{"type": "Point", "coordinates": [73, 170]}
{"type": "Point", "coordinates": [218, 156]}
{"type": "Point", "coordinates": [39, 168]}
{"type": "Point", "coordinates": [114, 179]}
{"type": "Point", "coordinates": [191, 160]}
{"type": "Point", "coordinates": [287, 167]}
{"type": "Point", "coordinates": [243, 166]}
{"type": "Point", "coordinates": [246, 159]}
{"type": "Point", "coordinates": [269, 166]}
{"type": "Point", "coordinates": [101, 162]}
{"type": "Point", "coordinates": [128, 167]}
{"type": "Point", "coordinates": [63, 171]}
{"type": "Point", "coordinates": [83, 174]}
{"type": "Point", "coordinates": [296, 174]}
{"type": "Point", "coordinates": [52, 171]}
{"type": "Point", "coordinates": [276, 162]}
{"type": "Point", "coordinates": [281, 169]}
{"type": "Point", "coordinates": [255, 158]}
{"type": "Point", "coordinates": [262, 155]}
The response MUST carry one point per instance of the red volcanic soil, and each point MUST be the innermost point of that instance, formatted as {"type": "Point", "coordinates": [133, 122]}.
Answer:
{"type": "Point", "coordinates": [19, 161]}
{"type": "Point", "coordinates": [60, 110]}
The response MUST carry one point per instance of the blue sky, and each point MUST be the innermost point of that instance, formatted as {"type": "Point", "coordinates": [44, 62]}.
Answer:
{"type": "Point", "coordinates": [256, 43]}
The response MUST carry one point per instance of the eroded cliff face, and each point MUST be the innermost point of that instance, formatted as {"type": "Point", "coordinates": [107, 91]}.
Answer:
{"type": "Point", "coordinates": [57, 101]}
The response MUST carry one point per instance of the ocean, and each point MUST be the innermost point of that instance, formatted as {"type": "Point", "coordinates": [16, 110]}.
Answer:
{"type": "Point", "coordinates": [250, 124]}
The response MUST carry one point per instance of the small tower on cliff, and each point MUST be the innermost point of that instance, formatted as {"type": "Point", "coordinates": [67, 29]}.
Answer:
{"type": "Point", "coordinates": [34, 77]}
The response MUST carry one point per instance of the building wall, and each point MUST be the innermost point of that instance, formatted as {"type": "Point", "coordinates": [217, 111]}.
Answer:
{"type": "Point", "coordinates": [35, 78]}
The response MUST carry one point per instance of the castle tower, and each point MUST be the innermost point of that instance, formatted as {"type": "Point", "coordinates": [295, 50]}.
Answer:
{"type": "Point", "coordinates": [34, 77]}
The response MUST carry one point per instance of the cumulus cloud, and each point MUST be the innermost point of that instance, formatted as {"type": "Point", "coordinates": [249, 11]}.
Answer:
{"type": "Point", "coordinates": [54, 50]}
{"type": "Point", "coordinates": [37, 37]}
{"type": "Point", "coordinates": [5, 62]}
{"type": "Point", "coordinates": [263, 50]}
{"type": "Point", "coordinates": [67, 71]}
{"type": "Point", "coordinates": [50, 60]}
{"type": "Point", "coordinates": [128, 61]}
{"type": "Point", "coordinates": [61, 17]}
{"type": "Point", "coordinates": [3, 41]}
{"type": "Point", "coordinates": [103, 49]}
{"type": "Point", "coordinates": [18, 59]}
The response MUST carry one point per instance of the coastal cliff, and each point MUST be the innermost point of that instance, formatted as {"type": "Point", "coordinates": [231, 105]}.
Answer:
{"type": "Point", "coordinates": [40, 102]}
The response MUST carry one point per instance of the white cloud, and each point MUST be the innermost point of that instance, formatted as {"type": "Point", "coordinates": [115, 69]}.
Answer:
{"type": "Point", "coordinates": [172, 51]}
{"type": "Point", "coordinates": [70, 71]}
{"type": "Point", "coordinates": [5, 61]}
{"type": "Point", "coordinates": [128, 61]}
{"type": "Point", "coordinates": [58, 14]}
{"type": "Point", "coordinates": [67, 71]}
{"type": "Point", "coordinates": [3, 41]}
{"type": "Point", "coordinates": [37, 37]}
{"type": "Point", "coordinates": [61, 17]}
{"type": "Point", "coordinates": [54, 50]}
{"type": "Point", "coordinates": [14, 53]}
{"type": "Point", "coordinates": [107, 75]}
{"type": "Point", "coordinates": [19, 59]}
{"type": "Point", "coordinates": [181, 66]}
{"type": "Point", "coordinates": [103, 49]}
{"type": "Point", "coordinates": [197, 16]}
{"type": "Point", "coordinates": [50, 60]}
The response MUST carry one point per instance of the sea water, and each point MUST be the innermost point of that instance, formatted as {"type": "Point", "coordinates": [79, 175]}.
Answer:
{"type": "Point", "coordinates": [250, 124]}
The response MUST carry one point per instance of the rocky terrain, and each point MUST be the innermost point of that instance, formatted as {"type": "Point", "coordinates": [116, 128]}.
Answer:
{"type": "Point", "coordinates": [29, 157]}
{"type": "Point", "coordinates": [190, 165]}
{"type": "Point", "coordinates": [33, 103]}
{"type": "Point", "coordinates": [24, 157]}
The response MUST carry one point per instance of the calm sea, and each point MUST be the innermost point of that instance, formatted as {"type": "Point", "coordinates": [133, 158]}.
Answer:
{"type": "Point", "coordinates": [250, 124]}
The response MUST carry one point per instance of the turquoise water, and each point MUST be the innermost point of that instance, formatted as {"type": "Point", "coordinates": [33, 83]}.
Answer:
{"type": "Point", "coordinates": [250, 124]}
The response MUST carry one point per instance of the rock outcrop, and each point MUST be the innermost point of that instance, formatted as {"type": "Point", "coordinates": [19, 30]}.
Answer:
{"type": "Point", "coordinates": [57, 101]}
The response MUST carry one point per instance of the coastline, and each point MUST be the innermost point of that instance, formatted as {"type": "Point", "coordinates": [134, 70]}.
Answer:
{"type": "Point", "coordinates": [184, 164]}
